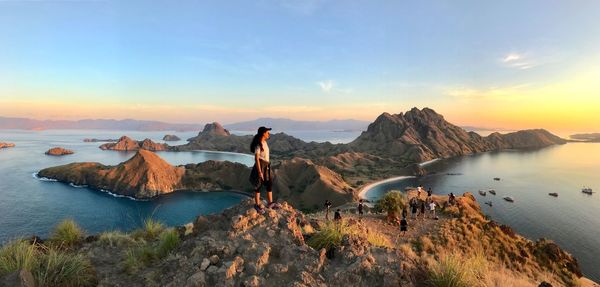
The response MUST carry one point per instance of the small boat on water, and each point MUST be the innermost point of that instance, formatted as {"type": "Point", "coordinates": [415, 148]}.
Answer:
{"type": "Point", "coordinates": [509, 199]}
{"type": "Point", "coordinates": [496, 178]}
{"type": "Point", "coordinates": [488, 203]}
{"type": "Point", "coordinates": [492, 191]}
{"type": "Point", "coordinates": [553, 194]}
{"type": "Point", "coordinates": [482, 193]}
{"type": "Point", "coordinates": [587, 190]}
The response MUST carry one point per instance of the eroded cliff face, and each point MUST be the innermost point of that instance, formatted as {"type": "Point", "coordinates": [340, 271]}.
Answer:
{"type": "Point", "coordinates": [421, 135]}
{"type": "Point", "coordinates": [307, 185]}
{"type": "Point", "coordinates": [146, 175]}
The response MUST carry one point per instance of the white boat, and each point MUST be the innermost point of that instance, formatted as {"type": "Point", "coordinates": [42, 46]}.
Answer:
{"type": "Point", "coordinates": [482, 192]}
{"type": "Point", "coordinates": [587, 190]}
{"type": "Point", "coordinates": [492, 191]}
{"type": "Point", "coordinates": [509, 199]}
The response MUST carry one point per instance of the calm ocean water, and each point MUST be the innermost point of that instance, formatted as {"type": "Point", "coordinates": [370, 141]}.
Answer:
{"type": "Point", "coordinates": [572, 219]}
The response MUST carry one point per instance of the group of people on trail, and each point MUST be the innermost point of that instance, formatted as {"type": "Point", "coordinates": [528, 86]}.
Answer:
{"type": "Point", "coordinates": [418, 207]}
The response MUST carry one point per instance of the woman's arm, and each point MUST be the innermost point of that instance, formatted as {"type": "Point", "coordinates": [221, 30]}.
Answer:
{"type": "Point", "coordinates": [257, 163]}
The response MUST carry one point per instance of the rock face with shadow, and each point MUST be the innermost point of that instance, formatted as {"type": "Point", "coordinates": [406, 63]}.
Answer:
{"type": "Point", "coordinates": [146, 175]}
{"type": "Point", "coordinates": [422, 135]}
{"type": "Point", "coordinates": [127, 144]}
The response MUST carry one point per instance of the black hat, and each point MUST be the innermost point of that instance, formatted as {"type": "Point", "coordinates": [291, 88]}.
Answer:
{"type": "Point", "coordinates": [262, 130]}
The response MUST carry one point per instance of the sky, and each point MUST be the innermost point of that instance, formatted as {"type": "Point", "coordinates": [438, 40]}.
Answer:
{"type": "Point", "coordinates": [496, 64]}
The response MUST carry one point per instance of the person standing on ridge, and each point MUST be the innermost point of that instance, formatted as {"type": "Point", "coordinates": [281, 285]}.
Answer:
{"type": "Point", "coordinates": [337, 216]}
{"type": "Point", "coordinates": [361, 208]}
{"type": "Point", "coordinates": [327, 208]}
{"type": "Point", "coordinates": [261, 174]}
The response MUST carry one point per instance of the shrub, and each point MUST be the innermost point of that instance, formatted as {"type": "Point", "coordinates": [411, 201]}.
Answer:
{"type": "Point", "coordinates": [331, 233]}
{"type": "Point", "coordinates": [116, 239]}
{"type": "Point", "coordinates": [49, 266]}
{"type": "Point", "coordinates": [450, 271]}
{"type": "Point", "coordinates": [146, 253]}
{"type": "Point", "coordinates": [138, 257]}
{"type": "Point", "coordinates": [329, 236]}
{"type": "Point", "coordinates": [169, 239]}
{"type": "Point", "coordinates": [67, 233]}
{"type": "Point", "coordinates": [152, 228]}
{"type": "Point", "coordinates": [392, 202]}
{"type": "Point", "coordinates": [17, 255]}
{"type": "Point", "coordinates": [58, 268]}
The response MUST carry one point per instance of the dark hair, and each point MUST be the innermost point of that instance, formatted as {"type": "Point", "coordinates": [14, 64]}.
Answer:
{"type": "Point", "coordinates": [256, 142]}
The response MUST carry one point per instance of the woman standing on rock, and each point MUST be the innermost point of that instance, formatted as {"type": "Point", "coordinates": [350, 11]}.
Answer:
{"type": "Point", "coordinates": [261, 174]}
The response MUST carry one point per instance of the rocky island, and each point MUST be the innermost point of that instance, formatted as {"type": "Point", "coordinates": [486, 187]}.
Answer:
{"type": "Point", "coordinates": [127, 144]}
{"type": "Point", "coordinates": [171, 138]}
{"type": "Point", "coordinates": [146, 175]}
{"type": "Point", "coordinates": [94, 140]}
{"type": "Point", "coordinates": [58, 151]}
{"type": "Point", "coordinates": [6, 145]}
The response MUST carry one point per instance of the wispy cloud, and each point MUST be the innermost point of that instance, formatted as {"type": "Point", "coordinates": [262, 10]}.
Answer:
{"type": "Point", "coordinates": [518, 61]}
{"type": "Point", "coordinates": [326, 86]}
{"type": "Point", "coordinates": [331, 86]}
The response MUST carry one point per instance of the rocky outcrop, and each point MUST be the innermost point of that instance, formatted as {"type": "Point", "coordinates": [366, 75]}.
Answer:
{"type": "Point", "coordinates": [6, 145]}
{"type": "Point", "coordinates": [308, 185]}
{"type": "Point", "coordinates": [127, 144]}
{"type": "Point", "coordinates": [171, 138]}
{"type": "Point", "coordinates": [422, 135]}
{"type": "Point", "coordinates": [240, 247]}
{"type": "Point", "coordinates": [58, 151]}
{"type": "Point", "coordinates": [281, 145]}
{"type": "Point", "coordinates": [591, 137]}
{"type": "Point", "coordinates": [93, 140]}
{"type": "Point", "coordinates": [145, 175]}
{"type": "Point", "coordinates": [525, 139]}
{"type": "Point", "coordinates": [210, 131]}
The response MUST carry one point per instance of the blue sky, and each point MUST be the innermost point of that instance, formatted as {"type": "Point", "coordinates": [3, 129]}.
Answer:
{"type": "Point", "coordinates": [231, 60]}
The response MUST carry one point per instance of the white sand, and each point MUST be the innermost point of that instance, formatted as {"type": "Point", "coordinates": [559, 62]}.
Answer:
{"type": "Point", "coordinates": [365, 189]}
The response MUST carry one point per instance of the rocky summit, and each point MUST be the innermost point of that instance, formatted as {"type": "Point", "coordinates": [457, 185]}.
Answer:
{"type": "Point", "coordinates": [127, 144]}
{"type": "Point", "coordinates": [422, 135]}
{"type": "Point", "coordinates": [144, 175]}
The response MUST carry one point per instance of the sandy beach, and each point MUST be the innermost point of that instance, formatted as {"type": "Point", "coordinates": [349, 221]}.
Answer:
{"type": "Point", "coordinates": [365, 189]}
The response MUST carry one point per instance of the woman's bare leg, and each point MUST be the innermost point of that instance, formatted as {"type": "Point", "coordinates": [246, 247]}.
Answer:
{"type": "Point", "coordinates": [257, 198]}
{"type": "Point", "coordinates": [270, 196]}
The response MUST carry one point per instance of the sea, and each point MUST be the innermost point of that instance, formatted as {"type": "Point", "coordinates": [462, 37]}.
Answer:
{"type": "Point", "coordinates": [572, 219]}
{"type": "Point", "coordinates": [30, 205]}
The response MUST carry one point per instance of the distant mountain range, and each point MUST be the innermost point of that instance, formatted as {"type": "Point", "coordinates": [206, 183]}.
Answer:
{"type": "Point", "coordinates": [590, 137]}
{"type": "Point", "coordinates": [278, 124]}
{"type": "Point", "coordinates": [99, 124]}
{"type": "Point", "coordinates": [281, 124]}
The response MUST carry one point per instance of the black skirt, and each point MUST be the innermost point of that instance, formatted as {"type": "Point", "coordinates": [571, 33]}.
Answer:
{"type": "Point", "coordinates": [255, 180]}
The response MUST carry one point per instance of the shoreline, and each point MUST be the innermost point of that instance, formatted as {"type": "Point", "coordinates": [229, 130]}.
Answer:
{"type": "Point", "coordinates": [366, 188]}
{"type": "Point", "coordinates": [426, 163]}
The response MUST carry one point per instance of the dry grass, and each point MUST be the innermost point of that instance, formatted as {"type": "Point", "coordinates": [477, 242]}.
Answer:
{"type": "Point", "coordinates": [116, 239]}
{"type": "Point", "coordinates": [67, 234]}
{"type": "Point", "coordinates": [50, 266]}
{"type": "Point", "coordinates": [331, 233]}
